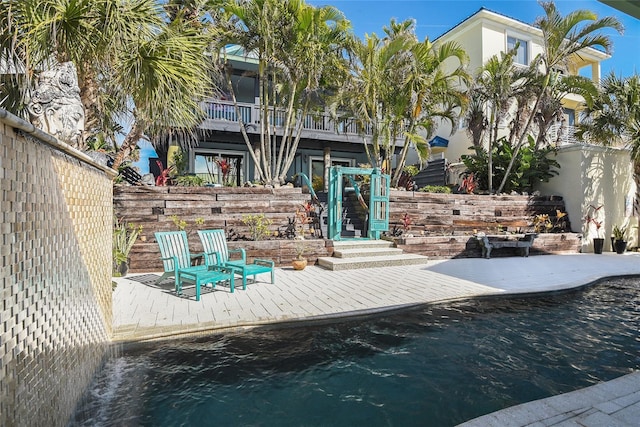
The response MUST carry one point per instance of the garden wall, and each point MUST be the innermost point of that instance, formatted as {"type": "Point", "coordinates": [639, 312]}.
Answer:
{"type": "Point", "coordinates": [446, 247]}
{"type": "Point", "coordinates": [56, 311]}
{"type": "Point", "coordinates": [465, 214]}
{"type": "Point", "coordinates": [442, 224]}
{"type": "Point", "coordinates": [155, 208]}
{"type": "Point", "coordinates": [598, 176]}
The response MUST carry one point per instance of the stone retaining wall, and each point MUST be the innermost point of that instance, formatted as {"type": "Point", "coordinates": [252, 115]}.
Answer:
{"type": "Point", "coordinates": [441, 223]}
{"type": "Point", "coordinates": [55, 248]}
{"type": "Point", "coordinates": [464, 214]}
{"type": "Point", "coordinates": [219, 208]}
{"type": "Point", "coordinates": [445, 247]}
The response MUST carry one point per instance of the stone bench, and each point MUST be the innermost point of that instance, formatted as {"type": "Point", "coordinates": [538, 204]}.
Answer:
{"type": "Point", "coordinates": [522, 242]}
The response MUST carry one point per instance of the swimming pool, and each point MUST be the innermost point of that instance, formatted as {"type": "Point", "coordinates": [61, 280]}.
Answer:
{"type": "Point", "coordinates": [433, 366]}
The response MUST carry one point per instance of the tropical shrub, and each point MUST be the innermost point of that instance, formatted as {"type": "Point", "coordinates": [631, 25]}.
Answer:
{"type": "Point", "coordinates": [436, 189]}
{"type": "Point", "coordinates": [258, 226]}
{"type": "Point", "coordinates": [181, 224]}
{"type": "Point", "coordinates": [181, 162]}
{"type": "Point", "coordinates": [189, 181]}
{"type": "Point", "coordinates": [317, 182]}
{"type": "Point", "coordinates": [546, 223]}
{"type": "Point", "coordinates": [124, 236]}
{"type": "Point", "coordinates": [531, 166]}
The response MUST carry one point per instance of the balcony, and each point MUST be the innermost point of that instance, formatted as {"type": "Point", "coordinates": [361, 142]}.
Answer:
{"type": "Point", "coordinates": [222, 116]}
{"type": "Point", "coordinates": [563, 135]}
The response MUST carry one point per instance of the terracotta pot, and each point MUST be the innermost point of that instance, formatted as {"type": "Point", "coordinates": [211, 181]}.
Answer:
{"type": "Point", "coordinates": [299, 264]}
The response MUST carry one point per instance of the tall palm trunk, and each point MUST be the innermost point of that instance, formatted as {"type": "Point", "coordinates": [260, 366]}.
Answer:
{"type": "Point", "coordinates": [89, 96]}
{"type": "Point", "coordinates": [129, 144]}
{"type": "Point", "coordinates": [523, 135]}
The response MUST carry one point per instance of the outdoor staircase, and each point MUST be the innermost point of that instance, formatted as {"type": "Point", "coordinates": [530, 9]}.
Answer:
{"type": "Point", "coordinates": [353, 223]}
{"type": "Point", "coordinates": [353, 254]}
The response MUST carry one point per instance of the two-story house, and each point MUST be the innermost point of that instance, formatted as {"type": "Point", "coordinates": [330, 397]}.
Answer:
{"type": "Point", "coordinates": [325, 143]}
{"type": "Point", "coordinates": [487, 33]}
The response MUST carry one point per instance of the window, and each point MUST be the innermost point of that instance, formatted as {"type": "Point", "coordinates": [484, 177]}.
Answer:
{"type": "Point", "coordinates": [522, 54]}
{"type": "Point", "coordinates": [317, 168]}
{"type": "Point", "coordinates": [219, 167]}
{"type": "Point", "coordinates": [569, 116]}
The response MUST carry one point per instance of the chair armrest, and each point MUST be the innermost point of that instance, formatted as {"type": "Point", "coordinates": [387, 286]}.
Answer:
{"type": "Point", "coordinates": [172, 258]}
{"type": "Point", "coordinates": [215, 255]}
{"type": "Point", "coordinates": [265, 262]}
{"type": "Point", "coordinates": [242, 253]}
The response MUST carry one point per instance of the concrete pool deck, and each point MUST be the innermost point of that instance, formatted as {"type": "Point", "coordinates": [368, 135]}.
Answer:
{"type": "Point", "coordinates": [143, 311]}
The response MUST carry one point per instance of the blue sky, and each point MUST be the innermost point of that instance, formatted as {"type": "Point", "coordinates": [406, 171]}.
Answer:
{"type": "Point", "coordinates": [434, 17]}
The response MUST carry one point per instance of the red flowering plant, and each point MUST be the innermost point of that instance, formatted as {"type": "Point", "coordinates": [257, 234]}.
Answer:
{"type": "Point", "coordinates": [406, 222]}
{"type": "Point", "coordinates": [468, 184]}
{"type": "Point", "coordinates": [225, 168]}
{"type": "Point", "coordinates": [165, 174]}
{"type": "Point", "coordinates": [302, 219]}
{"type": "Point", "coordinates": [592, 219]}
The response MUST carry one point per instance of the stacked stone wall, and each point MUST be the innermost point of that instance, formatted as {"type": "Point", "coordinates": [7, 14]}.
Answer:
{"type": "Point", "coordinates": [226, 208]}
{"type": "Point", "coordinates": [442, 224]}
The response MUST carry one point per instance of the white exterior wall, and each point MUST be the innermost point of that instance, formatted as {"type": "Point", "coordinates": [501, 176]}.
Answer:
{"type": "Point", "coordinates": [484, 35]}
{"type": "Point", "coordinates": [593, 175]}
{"type": "Point", "coordinates": [481, 41]}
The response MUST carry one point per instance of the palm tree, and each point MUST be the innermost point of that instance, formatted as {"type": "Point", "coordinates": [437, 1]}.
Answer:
{"type": "Point", "coordinates": [476, 121]}
{"type": "Point", "coordinates": [431, 95]}
{"type": "Point", "coordinates": [397, 87]}
{"type": "Point", "coordinates": [613, 115]}
{"type": "Point", "coordinates": [296, 44]}
{"type": "Point", "coordinates": [166, 77]}
{"type": "Point", "coordinates": [497, 89]}
{"type": "Point", "coordinates": [563, 39]}
{"type": "Point", "coordinates": [551, 111]}
{"type": "Point", "coordinates": [366, 96]}
{"type": "Point", "coordinates": [133, 61]}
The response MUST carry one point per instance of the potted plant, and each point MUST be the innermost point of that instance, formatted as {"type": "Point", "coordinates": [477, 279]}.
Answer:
{"type": "Point", "coordinates": [592, 219]}
{"type": "Point", "coordinates": [299, 263]}
{"type": "Point", "coordinates": [124, 236]}
{"type": "Point", "coordinates": [619, 239]}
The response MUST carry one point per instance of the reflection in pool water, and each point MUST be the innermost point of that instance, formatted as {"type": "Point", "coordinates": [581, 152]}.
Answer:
{"type": "Point", "coordinates": [434, 366]}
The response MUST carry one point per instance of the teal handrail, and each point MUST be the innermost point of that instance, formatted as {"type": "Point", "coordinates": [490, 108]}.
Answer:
{"type": "Point", "coordinates": [356, 188]}
{"type": "Point", "coordinates": [305, 178]}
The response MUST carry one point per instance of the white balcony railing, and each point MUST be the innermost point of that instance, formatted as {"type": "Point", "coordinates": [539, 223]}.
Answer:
{"type": "Point", "coordinates": [224, 111]}
{"type": "Point", "coordinates": [563, 135]}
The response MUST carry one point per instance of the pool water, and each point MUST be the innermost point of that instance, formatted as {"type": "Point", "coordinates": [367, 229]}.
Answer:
{"type": "Point", "coordinates": [434, 366]}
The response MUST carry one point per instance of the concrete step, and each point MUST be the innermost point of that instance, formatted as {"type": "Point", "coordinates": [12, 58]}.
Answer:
{"type": "Point", "coordinates": [366, 252]}
{"type": "Point", "coordinates": [335, 264]}
{"type": "Point", "coordinates": [339, 245]}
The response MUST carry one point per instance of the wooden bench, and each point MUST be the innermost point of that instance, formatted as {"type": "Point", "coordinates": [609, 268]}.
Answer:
{"type": "Point", "coordinates": [522, 242]}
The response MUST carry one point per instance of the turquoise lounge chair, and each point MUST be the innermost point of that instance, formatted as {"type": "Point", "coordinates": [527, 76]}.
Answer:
{"type": "Point", "coordinates": [214, 241]}
{"type": "Point", "coordinates": [177, 263]}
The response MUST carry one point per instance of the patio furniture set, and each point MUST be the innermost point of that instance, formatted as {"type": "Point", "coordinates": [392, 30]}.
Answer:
{"type": "Point", "coordinates": [217, 266]}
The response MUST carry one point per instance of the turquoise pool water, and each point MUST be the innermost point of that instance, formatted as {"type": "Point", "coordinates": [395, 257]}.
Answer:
{"type": "Point", "coordinates": [434, 366]}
